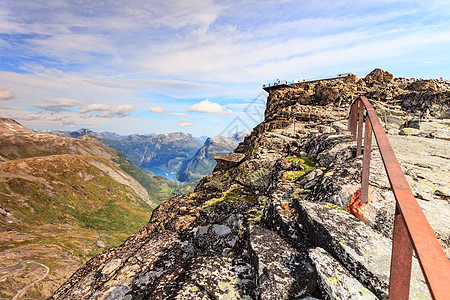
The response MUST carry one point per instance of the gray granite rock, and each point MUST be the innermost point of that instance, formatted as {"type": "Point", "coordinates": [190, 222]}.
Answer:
{"type": "Point", "coordinates": [365, 253]}
{"type": "Point", "coordinates": [283, 273]}
{"type": "Point", "coordinates": [335, 281]}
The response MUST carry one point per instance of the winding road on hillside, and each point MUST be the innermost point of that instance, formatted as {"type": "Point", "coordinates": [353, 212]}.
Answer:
{"type": "Point", "coordinates": [23, 266]}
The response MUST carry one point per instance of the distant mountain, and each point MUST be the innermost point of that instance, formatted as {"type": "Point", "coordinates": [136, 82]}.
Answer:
{"type": "Point", "coordinates": [157, 152]}
{"type": "Point", "coordinates": [162, 154]}
{"type": "Point", "coordinates": [84, 131]}
{"type": "Point", "coordinates": [202, 163]}
{"type": "Point", "coordinates": [63, 199]}
{"type": "Point", "coordinates": [113, 136]}
{"type": "Point", "coordinates": [177, 156]}
{"type": "Point", "coordinates": [201, 139]}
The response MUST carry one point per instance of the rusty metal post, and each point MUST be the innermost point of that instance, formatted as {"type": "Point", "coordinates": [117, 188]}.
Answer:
{"type": "Point", "coordinates": [411, 228]}
{"type": "Point", "coordinates": [352, 120]}
{"type": "Point", "coordinates": [401, 259]}
{"type": "Point", "coordinates": [366, 162]}
{"type": "Point", "coordinates": [360, 128]}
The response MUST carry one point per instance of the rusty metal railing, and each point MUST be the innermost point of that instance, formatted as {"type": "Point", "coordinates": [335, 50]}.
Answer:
{"type": "Point", "coordinates": [411, 229]}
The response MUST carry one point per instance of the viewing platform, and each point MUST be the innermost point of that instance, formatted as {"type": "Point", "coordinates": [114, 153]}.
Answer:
{"type": "Point", "coordinates": [268, 87]}
{"type": "Point", "coordinates": [285, 84]}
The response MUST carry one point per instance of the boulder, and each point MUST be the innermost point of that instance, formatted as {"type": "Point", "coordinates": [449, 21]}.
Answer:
{"type": "Point", "coordinates": [423, 86]}
{"type": "Point", "coordinates": [409, 131]}
{"type": "Point", "coordinates": [228, 161]}
{"type": "Point", "coordinates": [308, 177]}
{"type": "Point", "coordinates": [365, 253]}
{"type": "Point", "coordinates": [339, 183]}
{"type": "Point", "coordinates": [326, 93]}
{"type": "Point", "coordinates": [335, 281]}
{"type": "Point", "coordinates": [283, 272]}
{"type": "Point", "coordinates": [429, 104]}
{"type": "Point", "coordinates": [352, 79]}
{"type": "Point", "coordinates": [255, 173]}
{"type": "Point", "coordinates": [379, 76]}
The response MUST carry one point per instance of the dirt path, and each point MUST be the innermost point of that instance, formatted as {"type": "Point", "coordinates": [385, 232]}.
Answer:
{"type": "Point", "coordinates": [23, 266]}
{"type": "Point", "coordinates": [31, 284]}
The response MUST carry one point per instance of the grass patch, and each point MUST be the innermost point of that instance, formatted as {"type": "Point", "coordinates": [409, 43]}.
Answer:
{"type": "Point", "coordinates": [293, 175]}
{"type": "Point", "coordinates": [307, 162]}
{"type": "Point", "coordinates": [255, 215]}
{"type": "Point", "coordinates": [233, 196]}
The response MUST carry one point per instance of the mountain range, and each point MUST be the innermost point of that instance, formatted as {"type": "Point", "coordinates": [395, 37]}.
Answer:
{"type": "Point", "coordinates": [67, 195]}
{"type": "Point", "coordinates": [202, 163]}
{"type": "Point", "coordinates": [176, 156]}
{"type": "Point", "coordinates": [63, 199]}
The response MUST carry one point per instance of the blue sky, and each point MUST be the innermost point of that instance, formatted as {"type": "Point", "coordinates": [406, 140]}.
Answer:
{"type": "Point", "coordinates": [197, 66]}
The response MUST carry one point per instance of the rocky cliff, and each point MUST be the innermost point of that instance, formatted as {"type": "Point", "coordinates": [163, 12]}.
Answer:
{"type": "Point", "coordinates": [203, 163]}
{"type": "Point", "coordinates": [275, 218]}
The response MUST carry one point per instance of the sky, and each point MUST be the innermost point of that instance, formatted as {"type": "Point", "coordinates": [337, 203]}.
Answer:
{"type": "Point", "coordinates": [198, 66]}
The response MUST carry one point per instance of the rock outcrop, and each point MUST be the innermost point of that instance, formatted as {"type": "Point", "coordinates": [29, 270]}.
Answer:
{"type": "Point", "coordinates": [274, 220]}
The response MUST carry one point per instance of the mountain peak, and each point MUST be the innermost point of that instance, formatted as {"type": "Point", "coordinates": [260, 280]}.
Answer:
{"type": "Point", "coordinates": [10, 126]}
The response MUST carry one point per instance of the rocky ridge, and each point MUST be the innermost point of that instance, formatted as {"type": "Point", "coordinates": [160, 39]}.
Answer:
{"type": "Point", "coordinates": [275, 219]}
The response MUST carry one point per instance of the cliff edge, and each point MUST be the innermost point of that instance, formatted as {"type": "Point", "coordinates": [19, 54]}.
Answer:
{"type": "Point", "coordinates": [274, 219]}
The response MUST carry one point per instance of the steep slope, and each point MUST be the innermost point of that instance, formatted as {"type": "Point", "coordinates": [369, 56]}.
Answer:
{"type": "Point", "coordinates": [21, 142]}
{"type": "Point", "coordinates": [272, 221]}
{"type": "Point", "coordinates": [62, 200]}
{"type": "Point", "coordinates": [202, 163]}
{"type": "Point", "coordinates": [163, 154]}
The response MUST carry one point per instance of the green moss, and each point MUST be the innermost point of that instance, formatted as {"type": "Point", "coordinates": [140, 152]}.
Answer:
{"type": "Point", "coordinates": [293, 175]}
{"type": "Point", "coordinates": [231, 196]}
{"type": "Point", "coordinates": [195, 288]}
{"type": "Point", "coordinates": [307, 162]}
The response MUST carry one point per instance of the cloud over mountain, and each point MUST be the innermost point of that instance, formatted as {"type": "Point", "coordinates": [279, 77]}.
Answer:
{"type": "Point", "coordinates": [60, 104]}
{"type": "Point", "coordinates": [208, 107]}
{"type": "Point", "coordinates": [184, 123]}
{"type": "Point", "coordinates": [107, 111]}
{"type": "Point", "coordinates": [6, 94]}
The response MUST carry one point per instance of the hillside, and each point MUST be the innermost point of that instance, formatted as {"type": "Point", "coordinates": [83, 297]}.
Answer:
{"type": "Point", "coordinates": [62, 200]}
{"type": "Point", "coordinates": [275, 219]}
{"type": "Point", "coordinates": [203, 163]}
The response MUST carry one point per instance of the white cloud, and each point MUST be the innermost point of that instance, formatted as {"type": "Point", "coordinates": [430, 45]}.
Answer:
{"type": "Point", "coordinates": [108, 111]}
{"type": "Point", "coordinates": [60, 104]}
{"type": "Point", "coordinates": [184, 123]}
{"type": "Point", "coordinates": [6, 94]}
{"type": "Point", "coordinates": [157, 109]}
{"type": "Point", "coordinates": [208, 107]}
{"type": "Point", "coordinates": [111, 52]}
{"type": "Point", "coordinates": [177, 114]}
